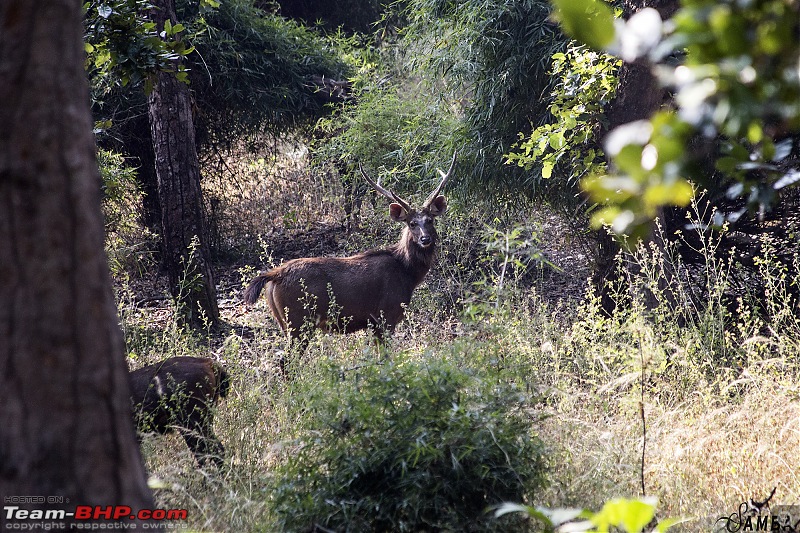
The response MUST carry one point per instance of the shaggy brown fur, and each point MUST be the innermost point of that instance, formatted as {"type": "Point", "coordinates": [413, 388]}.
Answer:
{"type": "Point", "coordinates": [179, 394]}
{"type": "Point", "coordinates": [369, 290]}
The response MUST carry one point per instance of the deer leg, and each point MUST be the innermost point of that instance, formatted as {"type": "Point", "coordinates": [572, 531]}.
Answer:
{"type": "Point", "coordinates": [277, 311]}
{"type": "Point", "coordinates": [202, 442]}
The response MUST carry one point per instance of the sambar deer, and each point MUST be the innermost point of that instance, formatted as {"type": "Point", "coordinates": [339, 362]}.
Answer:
{"type": "Point", "coordinates": [367, 290]}
{"type": "Point", "coordinates": [179, 393]}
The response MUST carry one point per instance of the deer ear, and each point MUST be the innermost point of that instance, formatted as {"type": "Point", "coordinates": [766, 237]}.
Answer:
{"type": "Point", "coordinates": [437, 206]}
{"type": "Point", "coordinates": [397, 213]}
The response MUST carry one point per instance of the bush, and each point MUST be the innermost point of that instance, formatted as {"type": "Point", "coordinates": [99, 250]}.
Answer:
{"type": "Point", "coordinates": [410, 446]}
{"type": "Point", "coordinates": [405, 136]}
{"type": "Point", "coordinates": [492, 56]}
{"type": "Point", "coordinates": [129, 245]}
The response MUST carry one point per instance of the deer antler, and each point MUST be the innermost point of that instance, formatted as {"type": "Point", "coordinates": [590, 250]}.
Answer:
{"type": "Point", "coordinates": [445, 177]}
{"type": "Point", "coordinates": [389, 194]}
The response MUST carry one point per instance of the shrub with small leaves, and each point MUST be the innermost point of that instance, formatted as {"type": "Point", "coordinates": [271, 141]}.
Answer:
{"type": "Point", "coordinates": [129, 246]}
{"type": "Point", "coordinates": [410, 446]}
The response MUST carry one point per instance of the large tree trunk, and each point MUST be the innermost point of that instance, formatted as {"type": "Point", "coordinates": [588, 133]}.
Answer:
{"type": "Point", "coordinates": [186, 254]}
{"type": "Point", "coordinates": [66, 426]}
{"type": "Point", "coordinates": [638, 96]}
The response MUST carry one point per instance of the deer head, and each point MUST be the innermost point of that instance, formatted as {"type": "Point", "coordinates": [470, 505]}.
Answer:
{"type": "Point", "coordinates": [419, 222]}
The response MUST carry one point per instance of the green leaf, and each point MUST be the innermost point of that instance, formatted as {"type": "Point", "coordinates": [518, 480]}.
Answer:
{"type": "Point", "coordinates": [547, 169]}
{"type": "Point", "coordinates": [631, 515]}
{"type": "Point", "coordinates": [667, 523]}
{"type": "Point", "coordinates": [629, 160]}
{"type": "Point", "coordinates": [755, 133]}
{"type": "Point", "coordinates": [588, 21]}
{"type": "Point", "coordinates": [727, 164]}
{"type": "Point", "coordinates": [182, 76]}
{"type": "Point", "coordinates": [611, 189]}
{"type": "Point", "coordinates": [677, 193]}
{"type": "Point", "coordinates": [556, 140]}
{"type": "Point", "coordinates": [605, 216]}
{"type": "Point", "coordinates": [102, 57]}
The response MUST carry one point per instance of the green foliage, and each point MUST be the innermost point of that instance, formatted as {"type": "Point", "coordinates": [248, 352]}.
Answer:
{"type": "Point", "coordinates": [566, 144]}
{"type": "Point", "coordinates": [128, 244]}
{"type": "Point", "coordinates": [123, 46]}
{"type": "Point", "coordinates": [588, 21]}
{"type": "Point", "coordinates": [647, 157]}
{"type": "Point", "coordinates": [119, 188]}
{"type": "Point", "coordinates": [737, 82]}
{"type": "Point", "coordinates": [491, 58]}
{"type": "Point", "coordinates": [630, 516]}
{"type": "Point", "coordinates": [253, 69]}
{"type": "Point", "coordinates": [508, 255]}
{"type": "Point", "coordinates": [409, 446]}
{"type": "Point", "coordinates": [744, 85]}
{"type": "Point", "coordinates": [250, 70]}
{"type": "Point", "coordinates": [409, 136]}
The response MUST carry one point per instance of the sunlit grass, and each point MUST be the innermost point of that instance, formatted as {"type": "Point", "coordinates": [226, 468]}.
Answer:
{"type": "Point", "coordinates": [720, 385]}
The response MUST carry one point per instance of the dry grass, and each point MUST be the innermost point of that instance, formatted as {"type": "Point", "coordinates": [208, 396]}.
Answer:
{"type": "Point", "coordinates": [710, 456]}
{"type": "Point", "coordinates": [700, 463]}
{"type": "Point", "coordinates": [709, 448]}
{"type": "Point", "coordinates": [716, 435]}
{"type": "Point", "coordinates": [707, 451]}
{"type": "Point", "coordinates": [250, 196]}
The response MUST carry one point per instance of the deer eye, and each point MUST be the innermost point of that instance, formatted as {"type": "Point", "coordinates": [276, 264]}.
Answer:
{"type": "Point", "coordinates": [413, 223]}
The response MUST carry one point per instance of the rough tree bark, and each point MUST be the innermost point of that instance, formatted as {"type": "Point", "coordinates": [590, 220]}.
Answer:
{"type": "Point", "coordinates": [186, 253]}
{"type": "Point", "coordinates": [66, 426]}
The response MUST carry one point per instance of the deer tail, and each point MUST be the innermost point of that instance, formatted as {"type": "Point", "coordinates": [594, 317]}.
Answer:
{"type": "Point", "coordinates": [253, 291]}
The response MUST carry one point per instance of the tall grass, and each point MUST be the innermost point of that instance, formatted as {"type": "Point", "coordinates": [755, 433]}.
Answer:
{"type": "Point", "coordinates": [715, 374]}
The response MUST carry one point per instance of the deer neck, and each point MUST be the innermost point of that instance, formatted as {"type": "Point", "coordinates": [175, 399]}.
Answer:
{"type": "Point", "coordinates": [414, 258]}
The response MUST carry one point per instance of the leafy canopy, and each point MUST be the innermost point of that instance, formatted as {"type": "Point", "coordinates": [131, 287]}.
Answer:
{"type": "Point", "coordinates": [249, 69]}
{"type": "Point", "coordinates": [123, 46]}
{"type": "Point", "coordinates": [736, 81]}
{"type": "Point", "coordinates": [565, 149]}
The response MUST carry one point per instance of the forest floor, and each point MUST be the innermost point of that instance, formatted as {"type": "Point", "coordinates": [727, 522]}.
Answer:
{"type": "Point", "coordinates": [704, 415]}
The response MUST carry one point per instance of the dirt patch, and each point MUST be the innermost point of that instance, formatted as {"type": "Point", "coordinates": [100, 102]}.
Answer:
{"type": "Point", "coordinates": [266, 211]}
